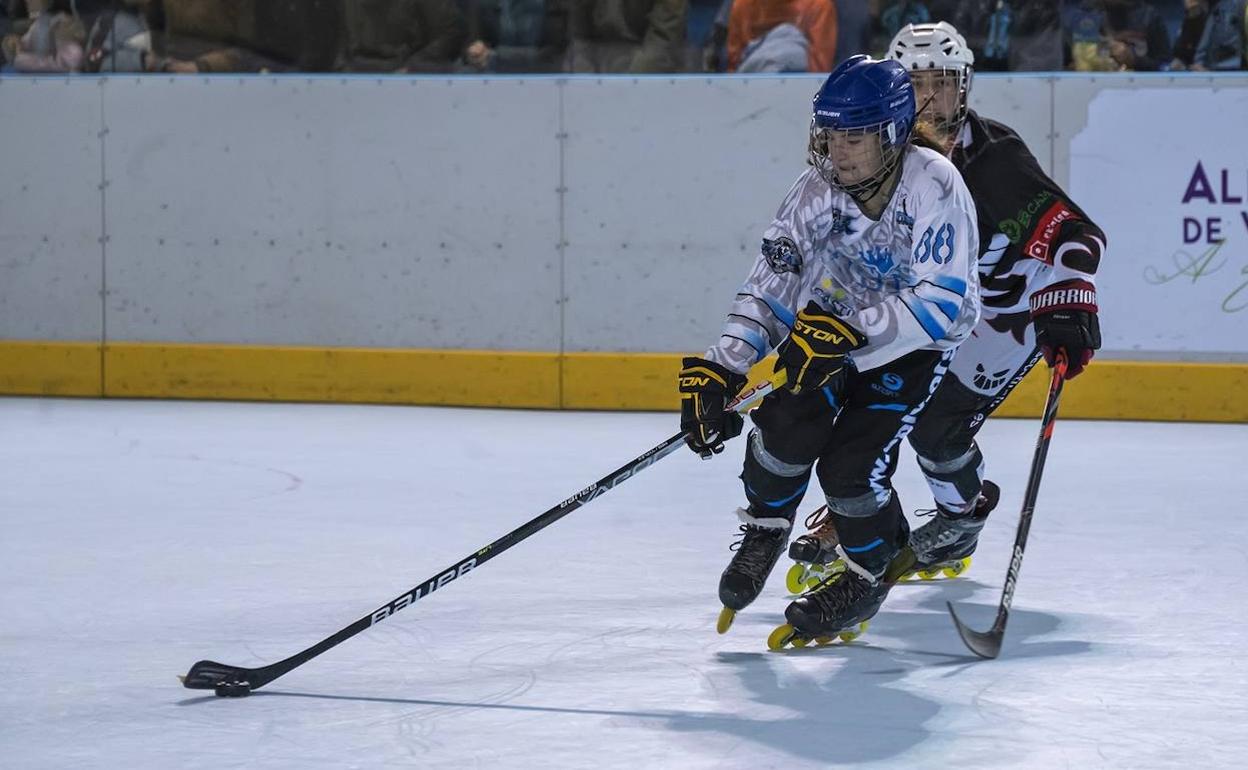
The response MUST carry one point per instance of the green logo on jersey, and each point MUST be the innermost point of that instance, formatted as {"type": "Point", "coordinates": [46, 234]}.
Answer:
{"type": "Point", "coordinates": [1014, 228]}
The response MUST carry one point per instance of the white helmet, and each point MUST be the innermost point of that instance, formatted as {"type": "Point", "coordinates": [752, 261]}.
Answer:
{"type": "Point", "coordinates": [931, 46]}
{"type": "Point", "coordinates": [937, 56]}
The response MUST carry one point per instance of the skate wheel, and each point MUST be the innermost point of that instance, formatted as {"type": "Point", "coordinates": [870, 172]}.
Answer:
{"type": "Point", "coordinates": [799, 641]}
{"type": "Point", "coordinates": [812, 583]}
{"type": "Point", "coordinates": [929, 574]}
{"type": "Point", "coordinates": [781, 636]}
{"type": "Point", "coordinates": [795, 578]}
{"type": "Point", "coordinates": [724, 622]}
{"type": "Point", "coordinates": [850, 634]}
{"type": "Point", "coordinates": [906, 576]}
{"type": "Point", "coordinates": [957, 568]}
{"type": "Point", "coordinates": [823, 641]}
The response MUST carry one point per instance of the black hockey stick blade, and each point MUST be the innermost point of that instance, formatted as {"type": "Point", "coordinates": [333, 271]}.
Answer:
{"type": "Point", "coordinates": [987, 644]}
{"type": "Point", "coordinates": [208, 675]}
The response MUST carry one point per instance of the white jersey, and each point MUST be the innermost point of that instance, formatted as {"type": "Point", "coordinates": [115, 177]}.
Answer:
{"type": "Point", "coordinates": [907, 281]}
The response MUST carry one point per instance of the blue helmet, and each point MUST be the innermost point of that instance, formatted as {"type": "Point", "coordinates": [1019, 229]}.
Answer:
{"type": "Point", "coordinates": [865, 96]}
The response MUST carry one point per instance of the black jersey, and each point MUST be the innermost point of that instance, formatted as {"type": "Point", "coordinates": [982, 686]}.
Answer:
{"type": "Point", "coordinates": [1031, 234]}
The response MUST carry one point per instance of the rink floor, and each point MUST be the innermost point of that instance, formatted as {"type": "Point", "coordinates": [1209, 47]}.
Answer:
{"type": "Point", "coordinates": [138, 537]}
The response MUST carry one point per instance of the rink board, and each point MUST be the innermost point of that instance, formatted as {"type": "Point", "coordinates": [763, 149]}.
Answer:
{"type": "Point", "coordinates": [1122, 390]}
{"type": "Point", "coordinates": [342, 238]}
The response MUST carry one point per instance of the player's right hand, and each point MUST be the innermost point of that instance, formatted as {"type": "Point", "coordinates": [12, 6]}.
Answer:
{"type": "Point", "coordinates": [813, 355]}
{"type": "Point", "coordinates": [705, 390]}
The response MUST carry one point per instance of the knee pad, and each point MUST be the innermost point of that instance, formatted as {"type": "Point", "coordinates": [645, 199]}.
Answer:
{"type": "Point", "coordinates": [773, 487]}
{"type": "Point", "coordinates": [955, 480]}
{"type": "Point", "coordinates": [871, 538]}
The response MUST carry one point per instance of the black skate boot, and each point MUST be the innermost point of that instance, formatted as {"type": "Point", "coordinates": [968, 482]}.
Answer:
{"type": "Point", "coordinates": [944, 545]}
{"type": "Point", "coordinates": [761, 543]}
{"type": "Point", "coordinates": [840, 606]}
{"type": "Point", "coordinates": [814, 553]}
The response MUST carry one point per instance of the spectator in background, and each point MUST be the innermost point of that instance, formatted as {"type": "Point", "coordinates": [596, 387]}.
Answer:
{"type": "Point", "coordinates": [898, 13]}
{"type": "Point", "coordinates": [1086, 50]}
{"type": "Point", "coordinates": [853, 29]}
{"type": "Point", "coordinates": [190, 36]}
{"type": "Point", "coordinates": [1137, 35]}
{"type": "Point", "coordinates": [1195, 13]}
{"type": "Point", "coordinates": [1107, 35]}
{"type": "Point", "coordinates": [119, 41]}
{"type": "Point", "coordinates": [401, 36]}
{"type": "Point", "coordinates": [626, 35]}
{"type": "Point", "coordinates": [1018, 35]}
{"type": "Point", "coordinates": [516, 35]}
{"type": "Point", "coordinates": [987, 26]}
{"type": "Point", "coordinates": [1037, 36]}
{"type": "Point", "coordinates": [53, 42]}
{"type": "Point", "coordinates": [1221, 46]}
{"type": "Point", "coordinates": [782, 35]}
{"type": "Point", "coordinates": [715, 50]}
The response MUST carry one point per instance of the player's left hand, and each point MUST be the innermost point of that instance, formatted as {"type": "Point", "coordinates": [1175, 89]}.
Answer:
{"type": "Point", "coordinates": [1065, 316]}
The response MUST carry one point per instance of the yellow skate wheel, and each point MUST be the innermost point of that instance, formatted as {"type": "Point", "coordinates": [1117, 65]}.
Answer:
{"type": "Point", "coordinates": [957, 568]}
{"type": "Point", "coordinates": [812, 583]}
{"type": "Point", "coordinates": [726, 616]}
{"type": "Point", "coordinates": [799, 641]}
{"type": "Point", "coordinates": [824, 640]}
{"type": "Point", "coordinates": [906, 576]}
{"type": "Point", "coordinates": [795, 578]}
{"type": "Point", "coordinates": [850, 634]}
{"type": "Point", "coordinates": [781, 636]}
{"type": "Point", "coordinates": [929, 574]}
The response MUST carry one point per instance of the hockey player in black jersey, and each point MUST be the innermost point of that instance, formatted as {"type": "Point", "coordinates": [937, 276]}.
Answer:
{"type": "Point", "coordinates": [1039, 256]}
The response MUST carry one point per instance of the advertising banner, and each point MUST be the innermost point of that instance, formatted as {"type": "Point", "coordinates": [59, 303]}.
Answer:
{"type": "Point", "coordinates": [1165, 172]}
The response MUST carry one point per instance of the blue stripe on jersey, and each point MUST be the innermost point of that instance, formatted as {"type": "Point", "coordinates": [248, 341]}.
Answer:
{"type": "Point", "coordinates": [918, 307]}
{"type": "Point", "coordinates": [955, 285]}
{"type": "Point", "coordinates": [780, 310]}
{"type": "Point", "coordinates": [950, 309]}
{"type": "Point", "coordinates": [756, 340]}
{"type": "Point", "coordinates": [889, 407]}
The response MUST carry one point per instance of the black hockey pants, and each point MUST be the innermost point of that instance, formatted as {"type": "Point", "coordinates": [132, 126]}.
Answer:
{"type": "Point", "coordinates": [851, 441]}
{"type": "Point", "coordinates": [944, 439]}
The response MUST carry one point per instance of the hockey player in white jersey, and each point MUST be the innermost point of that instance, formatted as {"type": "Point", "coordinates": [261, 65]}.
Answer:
{"type": "Point", "coordinates": [1040, 253]}
{"type": "Point", "coordinates": [865, 283]}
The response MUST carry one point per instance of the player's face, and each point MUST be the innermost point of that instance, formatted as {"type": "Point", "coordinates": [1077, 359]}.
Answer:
{"type": "Point", "coordinates": [855, 155]}
{"type": "Point", "coordinates": [938, 95]}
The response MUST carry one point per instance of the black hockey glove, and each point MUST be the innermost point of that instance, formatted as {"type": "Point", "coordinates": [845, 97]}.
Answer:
{"type": "Point", "coordinates": [813, 355]}
{"type": "Point", "coordinates": [1064, 316]}
{"type": "Point", "coordinates": [705, 390]}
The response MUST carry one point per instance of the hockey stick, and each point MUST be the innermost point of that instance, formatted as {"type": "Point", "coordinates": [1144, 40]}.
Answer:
{"type": "Point", "coordinates": [237, 680]}
{"type": "Point", "coordinates": [987, 644]}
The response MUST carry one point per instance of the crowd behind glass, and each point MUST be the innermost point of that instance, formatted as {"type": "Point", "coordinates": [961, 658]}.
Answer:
{"type": "Point", "coordinates": [604, 36]}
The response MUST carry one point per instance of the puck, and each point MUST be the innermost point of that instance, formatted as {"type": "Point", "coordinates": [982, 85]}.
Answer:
{"type": "Point", "coordinates": [233, 690]}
